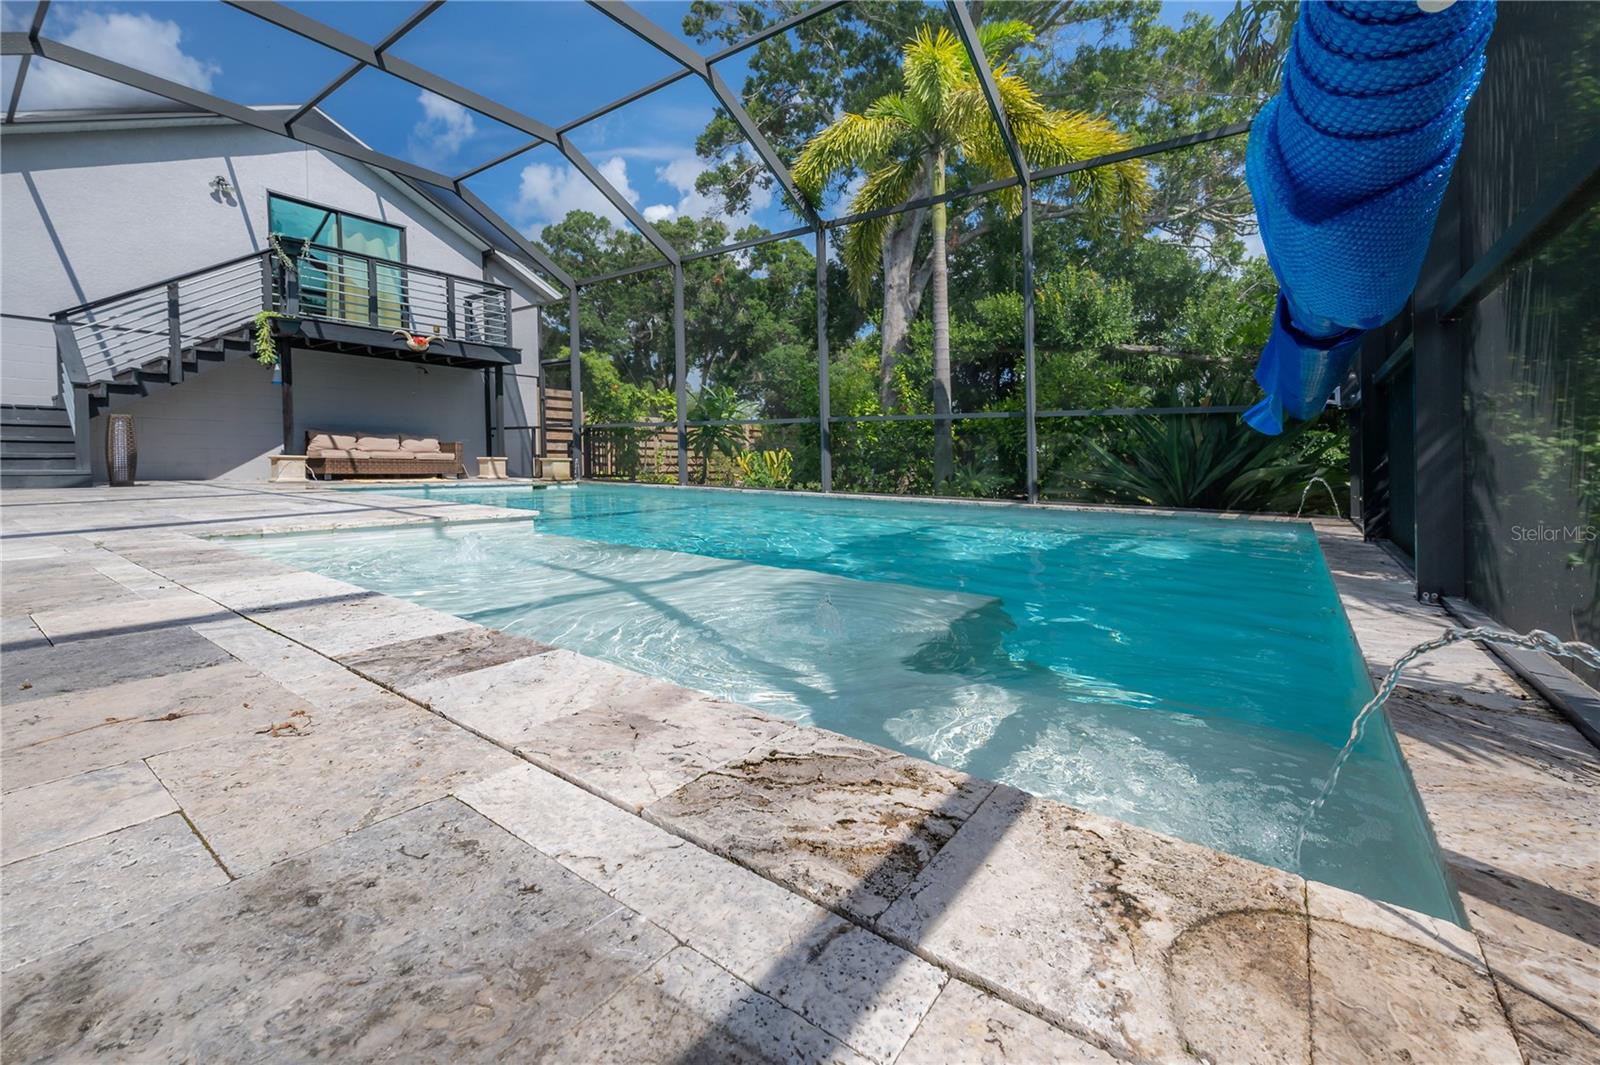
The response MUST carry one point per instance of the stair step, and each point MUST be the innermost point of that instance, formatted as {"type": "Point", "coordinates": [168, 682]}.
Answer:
{"type": "Point", "coordinates": [34, 433]}
{"type": "Point", "coordinates": [34, 450]}
{"type": "Point", "coordinates": [50, 464]}
{"type": "Point", "coordinates": [74, 478]}
{"type": "Point", "coordinates": [30, 415]}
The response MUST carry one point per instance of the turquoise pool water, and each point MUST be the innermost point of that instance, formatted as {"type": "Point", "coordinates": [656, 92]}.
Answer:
{"type": "Point", "coordinates": [1193, 675]}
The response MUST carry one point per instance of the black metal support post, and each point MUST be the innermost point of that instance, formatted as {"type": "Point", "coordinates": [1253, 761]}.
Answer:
{"type": "Point", "coordinates": [1030, 391]}
{"type": "Point", "coordinates": [372, 293]}
{"type": "Point", "coordinates": [968, 33]}
{"type": "Point", "coordinates": [174, 336]}
{"type": "Point", "coordinates": [499, 423]}
{"type": "Point", "coordinates": [488, 414]}
{"type": "Point", "coordinates": [681, 364]}
{"type": "Point", "coordinates": [1440, 420]}
{"type": "Point", "coordinates": [824, 404]}
{"type": "Point", "coordinates": [575, 360]}
{"type": "Point", "coordinates": [576, 384]}
{"type": "Point", "coordinates": [286, 395]}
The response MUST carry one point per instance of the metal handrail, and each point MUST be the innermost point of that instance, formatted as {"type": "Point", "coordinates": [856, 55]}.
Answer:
{"type": "Point", "coordinates": [157, 285]}
{"type": "Point", "coordinates": [99, 340]}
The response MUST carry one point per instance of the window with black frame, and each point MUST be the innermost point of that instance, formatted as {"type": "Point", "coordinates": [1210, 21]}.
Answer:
{"type": "Point", "coordinates": [345, 260]}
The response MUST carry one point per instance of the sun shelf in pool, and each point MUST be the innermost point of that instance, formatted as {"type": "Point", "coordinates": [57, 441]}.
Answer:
{"type": "Point", "coordinates": [1193, 675]}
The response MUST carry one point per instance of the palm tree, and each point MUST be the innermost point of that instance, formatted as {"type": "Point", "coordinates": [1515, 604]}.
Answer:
{"type": "Point", "coordinates": [905, 142]}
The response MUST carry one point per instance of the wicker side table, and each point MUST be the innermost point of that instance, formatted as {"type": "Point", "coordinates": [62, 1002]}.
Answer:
{"type": "Point", "coordinates": [122, 450]}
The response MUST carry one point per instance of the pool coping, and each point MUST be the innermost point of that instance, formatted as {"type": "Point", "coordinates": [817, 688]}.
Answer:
{"type": "Point", "coordinates": [1392, 922]}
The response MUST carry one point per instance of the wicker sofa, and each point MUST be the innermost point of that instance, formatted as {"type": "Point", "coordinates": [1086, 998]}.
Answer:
{"type": "Point", "coordinates": [362, 454]}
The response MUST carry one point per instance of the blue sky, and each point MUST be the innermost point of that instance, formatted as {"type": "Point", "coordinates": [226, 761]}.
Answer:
{"type": "Point", "coordinates": [554, 60]}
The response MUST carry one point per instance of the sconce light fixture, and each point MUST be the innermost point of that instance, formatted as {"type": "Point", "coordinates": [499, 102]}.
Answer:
{"type": "Point", "coordinates": [220, 186]}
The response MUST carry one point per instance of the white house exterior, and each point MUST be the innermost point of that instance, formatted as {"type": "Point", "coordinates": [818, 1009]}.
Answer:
{"type": "Point", "coordinates": [90, 207]}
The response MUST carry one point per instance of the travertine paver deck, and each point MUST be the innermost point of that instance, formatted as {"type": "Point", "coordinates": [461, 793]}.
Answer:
{"type": "Point", "coordinates": [323, 823]}
{"type": "Point", "coordinates": [1513, 792]}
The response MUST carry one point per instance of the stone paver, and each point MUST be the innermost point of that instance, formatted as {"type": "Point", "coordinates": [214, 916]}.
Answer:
{"type": "Point", "coordinates": [20, 634]}
{"type": "Point", "coordinates": [1395, 986]}
{"type": "Point", "coordinates": [45, 739]}
{"type": "Point", "coordinates": [296, 668]}
{"type": "Point", "coordinates": [63, 812]}
{"type": "Point", "coordinates": [507, 701]}
{"type": "Point", "coordinates": [260, 798]}
{"type": "Point", "coordinates": [1090, 937]}
{"type": "Point", "coordinates": [33, 671]}
{"type": "Point", "coordinates": [841, 821]}
{"type": "Point", "coordinates": [1511, 790]}
{"type": "Point", "coordinates": [686, 1009]}
{"type": "Point", "coordinates": [66, 896]}
{"type": "Point", "coordinates": [412, 663]}
{"type": "Point", "coordinates": [1078, 913]}
{"type": "Point", "coordinates": [973, 1027]}
{"type": "Point", "coordinates": [857, 987]}
{"type": "Point", "coordinates": [125, 618]}
{"type": "Point", "coordinates": [29, 588]}
{"type": "Point", "coordinates": [335, 629]}
{"type": "Point", "coordinates": [434, 936]}
{"type": "Point", "coordinates": [641, 746]}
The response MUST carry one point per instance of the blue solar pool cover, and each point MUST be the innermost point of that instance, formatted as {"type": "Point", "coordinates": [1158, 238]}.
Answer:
{"type": "Point", "coordinates": [1348, 165]}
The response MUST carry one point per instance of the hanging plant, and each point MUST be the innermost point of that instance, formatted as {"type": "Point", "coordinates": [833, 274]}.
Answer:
{"type": "Point", "coordinates": [266, 350]}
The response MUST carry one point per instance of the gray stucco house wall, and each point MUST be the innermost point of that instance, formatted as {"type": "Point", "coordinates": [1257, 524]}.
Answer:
{"type": "Point", "coordinates": [92, 208]}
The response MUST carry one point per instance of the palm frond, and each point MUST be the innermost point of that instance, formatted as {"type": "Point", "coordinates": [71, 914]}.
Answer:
{"type": "Point", "coordinates": [850, 142]}
{"type": "Point", "coordinates": [934, 64]}
{"type": "Point", "coordinates": [1000, 39]}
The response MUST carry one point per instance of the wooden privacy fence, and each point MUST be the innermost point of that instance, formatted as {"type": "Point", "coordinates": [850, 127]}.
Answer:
{"type": "Point", "coordinates": [630, 454]}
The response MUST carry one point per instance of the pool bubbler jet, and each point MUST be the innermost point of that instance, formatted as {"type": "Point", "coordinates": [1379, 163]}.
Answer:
{"type": "Point", "coordinates": [1348, 164]}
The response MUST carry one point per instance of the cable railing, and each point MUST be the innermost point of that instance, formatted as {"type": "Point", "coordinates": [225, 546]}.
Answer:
{"type": "Point", "coordinates": [132, 331]}
{"type": "Point", "coordinates": [344, 286]}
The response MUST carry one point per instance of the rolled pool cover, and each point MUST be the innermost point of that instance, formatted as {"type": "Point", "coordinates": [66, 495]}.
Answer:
{"type": "Point", "coordinates": [1348, 165]}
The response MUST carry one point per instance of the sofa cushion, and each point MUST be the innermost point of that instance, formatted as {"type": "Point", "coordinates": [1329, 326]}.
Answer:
{"type": "Point", "coordinates": [317, 440]}
{"type": "Point", "coordinates": [419, 444]}
{"type": "Point", "coordinates": [344, 440]}
{"type": "Point", "coordinates": [378, 443]}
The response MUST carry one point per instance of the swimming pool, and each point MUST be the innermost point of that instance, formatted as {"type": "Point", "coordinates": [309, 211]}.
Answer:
{"type": "Point", "coordinates": [1193, 675]}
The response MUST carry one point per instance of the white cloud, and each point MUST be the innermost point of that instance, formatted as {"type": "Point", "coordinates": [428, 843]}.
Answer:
{"type": "Point", "coordinates": [682, 173]}
{"type": "Point", "coordinates": [547, 192]}
{"type": "Point", "coordinates": [443, 128]}
{"type": "Point", "coordinates": [152, 45]}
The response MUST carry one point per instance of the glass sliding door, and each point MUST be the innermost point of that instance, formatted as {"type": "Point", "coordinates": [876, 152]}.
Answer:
{"type": "Point", "coordinates": [338, 273]}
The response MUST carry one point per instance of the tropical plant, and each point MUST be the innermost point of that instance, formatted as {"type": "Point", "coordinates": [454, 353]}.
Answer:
{"type": "Point", "coordinates": [979, 480]}
{"type": "Point", "coordinates": [766, 469]}
{"type": "Point", "coordinates": [717, 405]}
{"type": "Point", "coordinates": [907, 140]}
{"type": "Point", "coordinates": [1204, 461]}
{"type": "Point", "coordinates": [265, 348]}
{"type": "Point", "coordinates": [630, 413]}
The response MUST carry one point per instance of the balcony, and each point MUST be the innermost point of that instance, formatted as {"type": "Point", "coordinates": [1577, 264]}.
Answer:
{"type": "Point", "coordinates": [315, 283]}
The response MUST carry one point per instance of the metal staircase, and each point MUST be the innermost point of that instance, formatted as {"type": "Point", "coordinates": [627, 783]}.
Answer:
{"type": "Point", "coordinates": [145, 340]}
